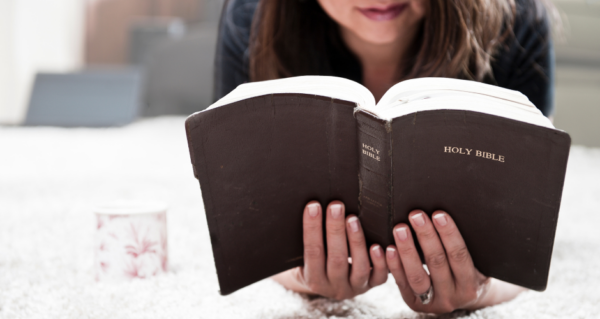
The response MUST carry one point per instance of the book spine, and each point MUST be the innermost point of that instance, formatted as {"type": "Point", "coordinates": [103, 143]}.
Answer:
{"type": "Point", "coordinates": [375, 177]}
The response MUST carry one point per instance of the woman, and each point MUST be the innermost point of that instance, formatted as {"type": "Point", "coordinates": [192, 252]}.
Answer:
{"type": "Point", "coordinates": [379, 43]}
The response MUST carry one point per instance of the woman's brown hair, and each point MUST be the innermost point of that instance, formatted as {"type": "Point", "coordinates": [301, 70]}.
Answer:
{"type": "Point", "coordinates": [457, 39]}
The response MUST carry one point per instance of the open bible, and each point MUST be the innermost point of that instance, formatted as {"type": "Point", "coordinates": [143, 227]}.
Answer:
{"type": "Point", "coordinates": [482, 153]}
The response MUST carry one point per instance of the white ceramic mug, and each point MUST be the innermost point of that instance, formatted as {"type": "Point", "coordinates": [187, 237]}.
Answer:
{"type": "Point", "coordinates": [131, 240]}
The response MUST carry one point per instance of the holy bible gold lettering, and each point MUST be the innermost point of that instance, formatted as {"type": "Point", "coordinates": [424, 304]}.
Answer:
{"type": "Point", "coordinates": [371, 152]}
{"type": "Point", "coordinates": [466, 151]}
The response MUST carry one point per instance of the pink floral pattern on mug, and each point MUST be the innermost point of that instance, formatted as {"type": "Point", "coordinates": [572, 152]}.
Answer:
{"type": "Point", "coordinates": [130, 246]}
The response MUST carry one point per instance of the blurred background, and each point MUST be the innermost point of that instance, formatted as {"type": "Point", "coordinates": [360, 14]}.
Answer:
{"type": "Point", "coordinates": [158, 56]}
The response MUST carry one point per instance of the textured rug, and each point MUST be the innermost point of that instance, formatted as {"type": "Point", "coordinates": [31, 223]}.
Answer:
{"type": "Point", "coordinates": [50, 177]}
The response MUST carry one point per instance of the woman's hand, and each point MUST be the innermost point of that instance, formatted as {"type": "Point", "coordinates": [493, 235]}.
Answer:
{"type": "Point", "coordinates": [330, 274]}
{"type": "Point", "coordinates": [456, 282]}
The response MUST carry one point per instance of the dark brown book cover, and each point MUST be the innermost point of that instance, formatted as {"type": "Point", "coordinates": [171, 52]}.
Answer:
{"type": "Point", "coordinates": [501, 181]}
{"type": "Point", "coordinates": [260, 160]}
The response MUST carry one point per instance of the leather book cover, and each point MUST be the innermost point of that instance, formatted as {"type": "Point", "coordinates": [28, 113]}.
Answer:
{"type": "Point", "coordinates": [375, 178]}
{"type": "Point", "coordinates": [501, 180]}
{"type": "Point", "coordinates": [259, 161]}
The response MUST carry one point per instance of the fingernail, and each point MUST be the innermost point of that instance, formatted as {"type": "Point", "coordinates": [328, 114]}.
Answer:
{"type": "Point", "coordinates": [401, 232]}
{"type": "Point", "coordinates": [313, 209]}
{"type": "Point", "coordinates": [418, 219]}
{"type": "Point", "coordinates": [376, 251]}
{"type": "Point", "coordinates": [441, 219]}
{"type": "Point", "coordinates": [353, 222]}
{"type": "Point", "coordinates": [391, 252]}
{"type": "Point", "coordinates": [336, 211]}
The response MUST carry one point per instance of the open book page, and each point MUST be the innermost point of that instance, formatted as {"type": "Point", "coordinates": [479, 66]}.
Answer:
{"type": "Point", "coordinates": [403, 98]}
{"type": "Point", "coordinates": [426, 94]}
{"type": "Point", "coordinates": [409, 87]}
{"type": "Point", "coordinates": [329, 86]}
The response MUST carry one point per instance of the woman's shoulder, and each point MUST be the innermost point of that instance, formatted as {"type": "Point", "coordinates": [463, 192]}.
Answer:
{"type": "Point", "coordinates": [236, 24]}
{"type": "Point", "coordinates": [531, 14]}
{"type": "Point", "coordinates": [232, 56]}
{"type": "Point", "coordinates": [238, 14]}
{"type": "Point", "coordinates": [525, 61]}
{"type": "Point", "coordinates": [530, 28]}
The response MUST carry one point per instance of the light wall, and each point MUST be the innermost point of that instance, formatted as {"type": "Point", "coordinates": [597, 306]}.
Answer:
{"type": "Point", "coordinates": [35, 35]}
{"type": "Point", "coordinates": [578, 71]}
{"type": "Point", "coordinates": [578, 103]}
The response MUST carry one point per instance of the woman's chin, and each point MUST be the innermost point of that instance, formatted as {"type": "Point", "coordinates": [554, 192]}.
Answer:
{"type": "Point", "coordinates": [377, 32]}
{"type": "Point", "coordinates": [379, 37]}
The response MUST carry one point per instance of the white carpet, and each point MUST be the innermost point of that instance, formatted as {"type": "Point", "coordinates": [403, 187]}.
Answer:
{"type": "Point", "coordinates": [50, 177]}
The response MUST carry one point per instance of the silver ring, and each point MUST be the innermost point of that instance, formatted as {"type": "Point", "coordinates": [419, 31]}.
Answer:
{"type": "Point", "coordinates": [426, 296]}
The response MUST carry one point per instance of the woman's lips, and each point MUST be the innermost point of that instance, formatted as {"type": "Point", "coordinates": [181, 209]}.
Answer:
{"type": "Point", "coordinates": [383, 14]}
